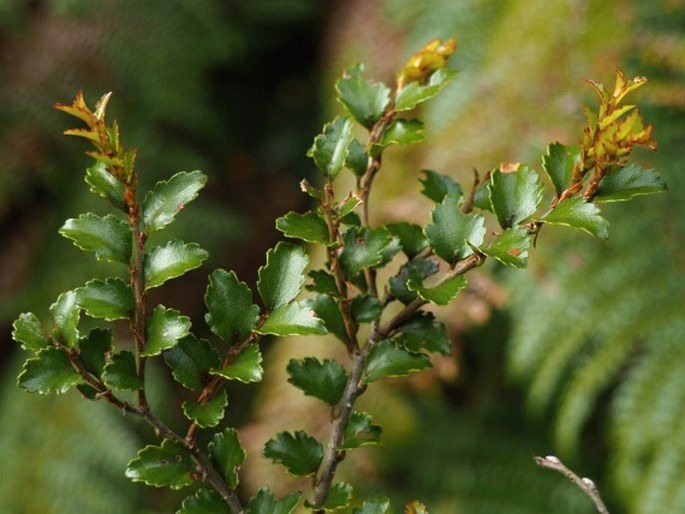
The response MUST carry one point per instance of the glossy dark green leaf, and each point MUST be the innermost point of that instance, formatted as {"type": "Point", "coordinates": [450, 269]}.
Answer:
{"type": "Point", "coordinates": [299, 453]}
{"type": "Point", "coordinates": [386, 359]}
{"type": "Point", "coordinates": [403, 132]}
{"type": "Point", "coordinates": [559, 162]}
{"type": "Point", "coordinates": [207, 414]}
{"type": "Point", "coordinates": [265, 503]}
{"type": "Point", "coordinates": [246, 366]}
{"type": "Point", "coordinates": [515, 195]}
{"type": "Point", "coordinates": [628, 182]}
{"type": "Point", "coordinates": [357, 159]}
{"type": "Point", "coordinates": [412, 238]}
{"type": "Point", "coordinates": [293, 319]}
{"type": "Point", "coordinates": [190, 361]}
{"type": "Point", "coordinates": [440, 294]}
{"type": "Point", "coordinates": [109, 237]}
{"type": "Point", "coordinates": [28, 331]}
{"type": "Point", "coordinates": [338, 497]}
{"type": "Point", "coordinates": [88, 392]}
{"type": "Point", "coordinates": [414, 93]}
{"type": "Point", "coordinates": [510, 247]}
{"type": "Point", "coordinates": [205, 501]}
{"type": "Point", "coordinates": [327, 308]}
{"type": "Point", "coordinates": [230, 312]}
{"type": "Point", "coordinates": [66, 312]}
{"type": "Point", "coordinates": [109, 299]}
{"type": "Point", "coordinates": [94, 349]}
{"type": "Point", "coordinates": [170, 261]}
{"type": "Point", "coordinates": [364, 248]}
{"type": "Point", "coordinates": [415, 270]}
{"type": "Point", "coordinates": [48, 372]}
{"type": "Point", "coordinates": [323, 380]}
{"type": "Point", "coordinates": [452, 233]}
{"type": "Point", "coordinates": [366, 309]}
{"type": "Point", "coordinates": [103, 184]}
{"type": "Point", "coordinates": [422, 332]}
{"type": "Point", "coordinates": [309, 227]}
{"type": "Point", "coordinates": [165, 327]}
{"type": "Point", "coordinates": [360, 431]}
{"type": "Point", "coordinates": [120, 372]}
{"type": "Point", "coordinates": [577, 213]}
{"type": "Point", "coordinates": [331, 147]}
{"type": "Point", "coordinates": [481, 198]}
{"type": "Point", "coordinates": [168, 465]}
{"type": "Point", "coordinates": [377, 505]}
{"type": "Point", "coordinates": [169, 197]}
{"type": "Point", "coordinates": [364, 99]}
{"type": "Point", "coordinates": [322, 282]}
{"type": "Point", "coordinates": [282, 277]}
{"type": "Point", "coordinates": [436, 186]}
{"type": "Point", "coordinates": [227, 455]}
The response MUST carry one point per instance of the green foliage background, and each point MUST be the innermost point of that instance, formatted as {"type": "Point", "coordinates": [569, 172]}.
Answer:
{"type": "Point", "coordinates": [584, 359]}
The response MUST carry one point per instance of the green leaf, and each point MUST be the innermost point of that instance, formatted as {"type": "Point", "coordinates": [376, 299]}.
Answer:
{"type": "Point", "coordinates": [66, 312]}
{"type": "Point", "coordinates": [323, 282]}
{"type": "Point", "coordinates": [625, 183]}
{"type": "Point", "coordinates": [360, 432]}
{"type": "Point", "coordinates": [364, 248]}
{"type": "Point", "coordinates": [559, 162]}
{"type": "Point", "coordinates": [481, 198]}
{"type": "Point", "coordinates": [28, 331]}
{"type": "Point", "coordinates": [207, 414]}
{"type": "Point", "coordinates": [108, 237]}
{"type": "Point", "coordinates": [104, 184]}
{"type": "Point", "coordinates": [191, 360]}
{"type": "Point", "coordinates": [169, 197]}
{"type": "Point", "coordinates": [412, 238]}
{"type": "Point", "coordinates": [309, 227]}
{"type": "Point", "coordinates": [366, 309]}
{"type": "Point", "coordinates": [205, 501]}
{"type": "Point", "coordinates": [300, 453]}
{"type": "Point", "coordinates": [338, 497]}
{"type": "Point", "coordinates": [227, 455]}
{"type": "Point", "coordinates": [327, 308]}
{"type": "Point", "coordinates": [93, 350]}
{"type": "Point", "coordinates": [415, 270]}
{"type": "Point", "coordinates": [577, 213]}
{"type": "Point", "coordinates": [168, 465]}
{"type": "Point", "coordinates": [414, 93]}
{"type": "Point", "coordinates": [50, 371]}
{"type": "Point", "coordinates": [403, 132]}
{"type": "Point", "coordinates": [510, 247]}
{"type": "Point", "coordinates": [364, 99]}
{"type": "Point", "coordinates": [330, 148]}
{"type": "Point", "coordinates": [423, 332]}
{"type": "Point", "coordinates": [165, 327]}
{"type": "Point", "coordinates": [265, 503]}
{"type": "Point", "coordinates": [386, 359]}
{"type": "Point", "coordinates": [323, 380]}
{"type": "Point", "coordinates": [436, 186]}
{"type": "Point", "coordinates": [281, 278]}
{"type": "Point", "coordinates": [170, 261]}
{"type": "Point", "coordinates": [110, 299]}
{"type": "Point", "coordinates": [377, 505]}
{"type": "Point", "coordinates": [293, 319]}
{"type": "Point", "coordinates": [348, 205]}
{"type": "Point", "coordinates": [514, 195]}
{"type": "Point", "coordinates": [230, 312]}
{"type": "Point", "coordinates": [451, 233]}
{"type": "Point", "coordinates": [121, 374]}
{"type": "Point", "coordinates": [245, 367]}
{"type": "Point", "coordinates": [357, 159]}
{"type": "Point", "coordinates": [441, 294]}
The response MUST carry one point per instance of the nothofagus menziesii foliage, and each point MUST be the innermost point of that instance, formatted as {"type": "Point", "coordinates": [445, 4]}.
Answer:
{"type": "Point", "coordinates": [431, 263]}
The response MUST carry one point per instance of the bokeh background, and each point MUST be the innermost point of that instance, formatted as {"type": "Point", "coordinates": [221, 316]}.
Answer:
{"type": "Point", "coordinates": [581, 355]}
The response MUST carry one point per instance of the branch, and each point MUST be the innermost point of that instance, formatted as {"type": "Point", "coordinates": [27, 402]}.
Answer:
{"type": "Point", "coordinates": [584, 484]}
